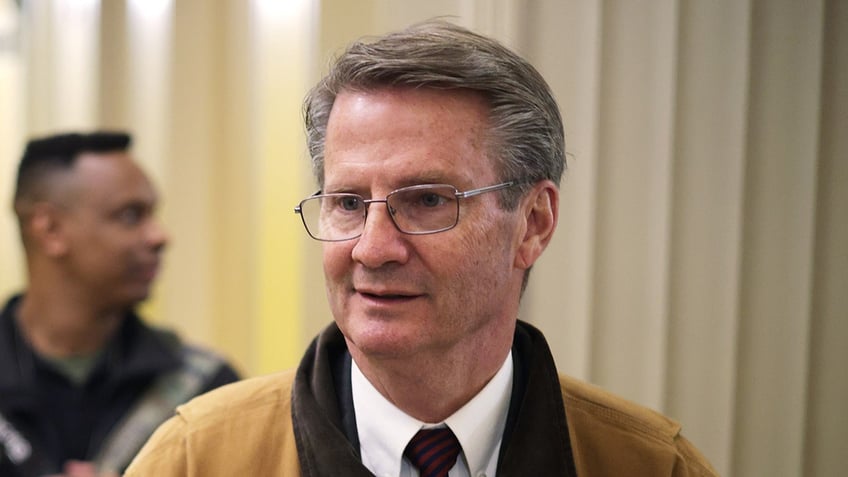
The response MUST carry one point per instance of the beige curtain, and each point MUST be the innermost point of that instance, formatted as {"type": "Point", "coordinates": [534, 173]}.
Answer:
{"type": "Point", "coordinates": [701, 261]}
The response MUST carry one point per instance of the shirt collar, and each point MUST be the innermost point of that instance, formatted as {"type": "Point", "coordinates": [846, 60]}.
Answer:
{"type": "Point", "coordinates": [478, 425]}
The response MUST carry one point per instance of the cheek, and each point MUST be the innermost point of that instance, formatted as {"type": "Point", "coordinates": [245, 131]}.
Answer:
{"type": "Point", "coordinates": [485, 257]}
{"type": "Point", "coordinates": [467, 261]}
{"type": "Point", "coordinates": [336, 260]}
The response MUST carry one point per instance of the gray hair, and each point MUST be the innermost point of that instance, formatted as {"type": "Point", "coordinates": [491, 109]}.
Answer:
{"type": "Point", "coordinates": [527, 139]}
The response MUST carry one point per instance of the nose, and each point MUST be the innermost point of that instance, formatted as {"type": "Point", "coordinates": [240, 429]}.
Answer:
{"type": "Point", "coordinates": [381, 242]}
{"type": "Point", "coordinates": [156, 235]}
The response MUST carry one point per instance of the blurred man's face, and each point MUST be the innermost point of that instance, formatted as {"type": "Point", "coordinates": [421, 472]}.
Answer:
{"type": "Point", "coordinates": [113, 241]}
{"type": "Point", "coordinates": [394, 294]}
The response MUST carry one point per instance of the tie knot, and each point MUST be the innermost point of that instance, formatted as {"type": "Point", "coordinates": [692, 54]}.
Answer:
{"type": "Point", "coordinates": [433, 451]}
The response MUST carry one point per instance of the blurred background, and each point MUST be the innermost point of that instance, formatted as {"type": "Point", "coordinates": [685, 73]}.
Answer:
{"type": "Point", "coordinates": [701, 262]}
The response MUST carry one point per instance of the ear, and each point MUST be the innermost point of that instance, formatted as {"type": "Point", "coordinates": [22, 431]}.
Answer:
{"type": "Point", "coordinates": [45, 229]}
{"type": "Point", "coordinates": [540, 211]}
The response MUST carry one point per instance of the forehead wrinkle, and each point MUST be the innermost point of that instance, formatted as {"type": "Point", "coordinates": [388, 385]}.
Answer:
{"type": "Point", "coordinates": [450, 134]}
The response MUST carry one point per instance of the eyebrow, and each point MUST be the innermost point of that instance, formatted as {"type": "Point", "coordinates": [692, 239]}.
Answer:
{"type": "Point", "coordinates": [426, 178]}
{"type": "Point", "coordinates": [431, 176]}
{"type": "Point", "coordinates": [366, 193]}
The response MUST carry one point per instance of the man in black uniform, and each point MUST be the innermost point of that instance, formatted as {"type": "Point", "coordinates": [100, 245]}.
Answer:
{"type": "Point", "coordinates": [83, 381]}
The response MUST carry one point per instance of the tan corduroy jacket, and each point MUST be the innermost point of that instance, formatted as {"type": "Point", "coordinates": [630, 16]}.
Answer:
{"type": "Point", "coordinates": [245, 429]}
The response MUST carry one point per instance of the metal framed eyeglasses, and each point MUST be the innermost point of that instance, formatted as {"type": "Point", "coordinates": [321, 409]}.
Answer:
{"type": "Point", "coordinates": [415, 210]}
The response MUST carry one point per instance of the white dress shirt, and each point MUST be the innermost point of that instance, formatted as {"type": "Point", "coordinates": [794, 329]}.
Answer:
{"type": "Point", "coordinates": [384, 430]}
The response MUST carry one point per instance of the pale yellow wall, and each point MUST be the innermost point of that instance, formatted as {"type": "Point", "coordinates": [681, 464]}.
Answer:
{"type": "Point", "coordinates": [11, 78]}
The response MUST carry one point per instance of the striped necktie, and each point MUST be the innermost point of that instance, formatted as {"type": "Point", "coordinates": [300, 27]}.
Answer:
{"type": "Point", "coordinates": [433, 451]}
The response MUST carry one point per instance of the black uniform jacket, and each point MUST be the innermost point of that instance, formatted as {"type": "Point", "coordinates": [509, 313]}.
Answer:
{"type": "Point", "coordinates": [61, 420]}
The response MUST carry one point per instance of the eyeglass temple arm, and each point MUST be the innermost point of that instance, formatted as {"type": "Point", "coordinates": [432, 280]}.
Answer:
{"type": "Point", "coordinates": [483, 190]}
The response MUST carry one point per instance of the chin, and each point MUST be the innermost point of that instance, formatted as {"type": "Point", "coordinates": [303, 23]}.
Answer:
{"type": "Point", "coordinates": [376, 338]}
{"type": "Point", "coordinates": [134, 297]}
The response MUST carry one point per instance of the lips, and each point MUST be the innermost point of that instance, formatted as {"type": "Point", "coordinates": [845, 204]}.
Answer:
{"type": "Point", "coordinates": [148, 271]}
{"type": "Point", "coordinates": [386, 295]}
{"type": "Point", "coordinates": [388, 298]}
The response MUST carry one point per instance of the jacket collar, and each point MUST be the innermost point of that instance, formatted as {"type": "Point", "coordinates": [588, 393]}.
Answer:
{"type": "Point", "coordinates": [322, 445]}
{"type": "Point", "coordinates": [136, 350]}
{"type": "Point", "coordinates": [536, 440]}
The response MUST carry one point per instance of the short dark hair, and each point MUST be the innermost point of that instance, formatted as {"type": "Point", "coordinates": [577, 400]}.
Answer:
{"type": "Point", "coordinates": [46, 155]}
{"type": "Point", "coordinates": [527, 140]}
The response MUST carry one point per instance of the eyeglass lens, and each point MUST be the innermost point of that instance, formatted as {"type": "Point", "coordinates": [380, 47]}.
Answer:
{"type": "Point", "coordinates": [415, 210]}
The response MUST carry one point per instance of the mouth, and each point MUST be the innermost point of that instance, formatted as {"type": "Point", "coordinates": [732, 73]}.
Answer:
{"type": "Point", "coordinates": [148, 272]}
{"type": "Point", "coordinates": [387, 296]}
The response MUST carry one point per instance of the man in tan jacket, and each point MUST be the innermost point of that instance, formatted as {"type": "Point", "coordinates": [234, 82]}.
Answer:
{"type": "Point", "coordinates": [438, 155]}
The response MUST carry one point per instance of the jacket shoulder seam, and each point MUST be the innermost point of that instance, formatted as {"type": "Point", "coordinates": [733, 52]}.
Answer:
{"type": "Point", "coordinates": [618, 411]}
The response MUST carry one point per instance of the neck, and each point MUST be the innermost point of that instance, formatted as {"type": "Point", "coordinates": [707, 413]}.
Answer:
{"type": "Point", "coordinates": [59, 326]}
{"type": "Point", "coordinates": [432, 386]}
